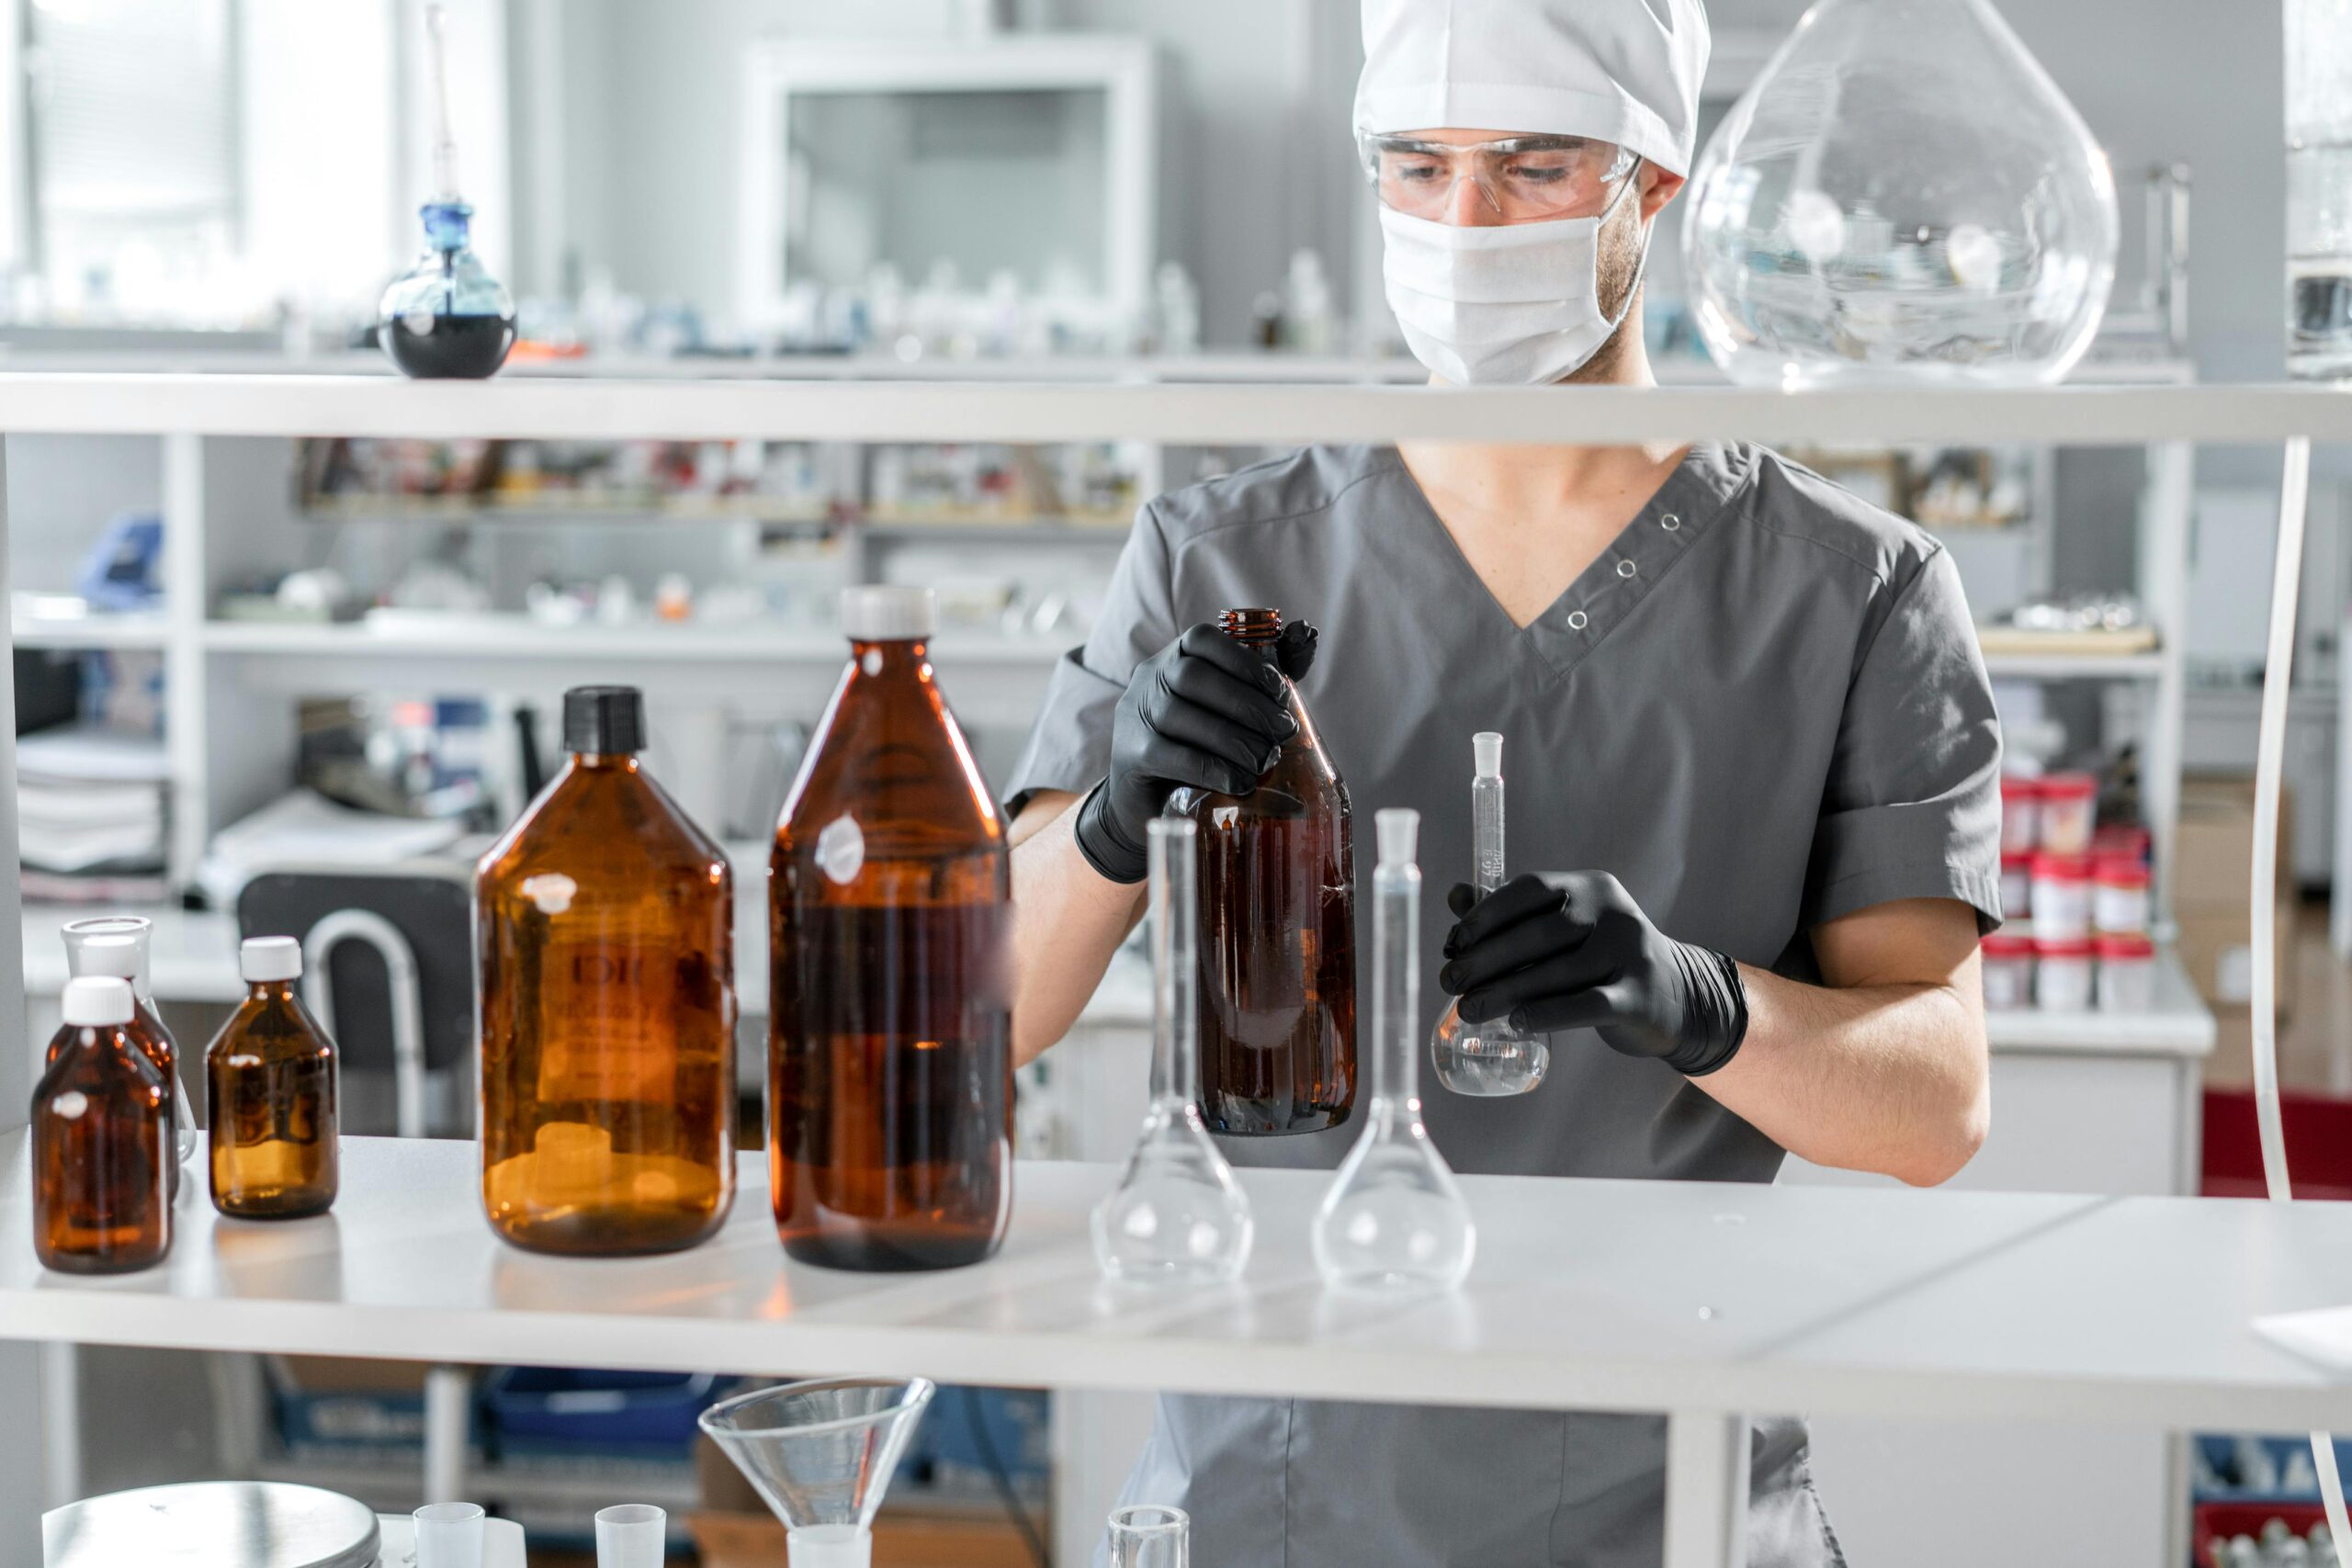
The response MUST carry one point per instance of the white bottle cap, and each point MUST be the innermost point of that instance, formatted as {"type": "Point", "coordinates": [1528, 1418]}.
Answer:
{"type": "Point", "coordinates": [97, 1001]}
{"type": "Point", "coordinates": [108, 955]}
{"type": "Point", "coordinates": [1400, 831]}
{"type": "Point", "coordinates": [270, 958]}
{"type": "Point", "coordinates": [889, 614]}
{"type": "Point", "coordinates": [1486, 746]}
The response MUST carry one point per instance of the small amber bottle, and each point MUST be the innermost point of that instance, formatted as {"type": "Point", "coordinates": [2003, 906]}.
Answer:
{"type": "Point", "coordinates": [101, 1141]}
{"type": "Point", "coordinates": [95, 947]}
{"type": "Point", "coordinates": [270, 1075]}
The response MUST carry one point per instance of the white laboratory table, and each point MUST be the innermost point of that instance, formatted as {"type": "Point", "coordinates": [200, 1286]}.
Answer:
{"type": "Point", "coordinates": [1699, 1300]}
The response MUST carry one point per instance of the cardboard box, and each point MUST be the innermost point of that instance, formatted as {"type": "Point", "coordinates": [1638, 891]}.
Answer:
{"type": "Point", "coordinates": [2217, 951]}
{"type": "Point", "coordinates": [2213, 853]}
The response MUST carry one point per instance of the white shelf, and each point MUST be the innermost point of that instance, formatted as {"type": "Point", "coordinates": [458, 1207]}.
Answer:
{"type": "Point", "coordinates": [1821, 1300]}
{"type": "Point", "coordinates": [2178, 1023]}
{"type": "Point", "coordinates": [2145, 666]}
{"type": "Point", "coordinates": [514, 637]}
{"type": "Point", "coordinates": [101, 631]}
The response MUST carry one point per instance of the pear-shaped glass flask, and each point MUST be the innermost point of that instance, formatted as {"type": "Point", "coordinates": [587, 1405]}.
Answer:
{"type": "Point", "coordinates": [1902, 194]}
{"type": "Point", "coordinates": [1177, 1216]}
{"type": "Point", "coordinates": [1490, 1058]}
{"type": "Point", "coordinates": [1395, 1217]}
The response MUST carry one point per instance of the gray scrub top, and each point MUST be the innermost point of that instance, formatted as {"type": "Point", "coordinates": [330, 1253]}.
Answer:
{"type": "Point", "coordinates": [1761, 708]}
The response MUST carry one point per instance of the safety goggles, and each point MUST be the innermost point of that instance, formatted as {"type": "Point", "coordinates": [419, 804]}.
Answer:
{"type": "Point", "coordinates": [1520, 177]}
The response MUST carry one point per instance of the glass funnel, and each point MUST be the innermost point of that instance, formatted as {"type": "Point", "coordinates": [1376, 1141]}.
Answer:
{"type": "Point", "coordinates": [1489, 1058]}
{"type": "Point", "coordinates": [1177, 1216]}
{"type": "Point", "coordinates": [2319, 188]}
{"type": "Point", "coordinates": [118, 945]}
{"type": "Point", "coordinates": [1902, 194]}
{"type": "Point", "coordinates": [1395, 1217]}
{"type": "Point", "coordinates": [820, 1455]}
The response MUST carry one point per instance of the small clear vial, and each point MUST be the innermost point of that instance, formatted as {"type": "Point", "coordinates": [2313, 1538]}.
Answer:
{"type": "Point", "coordinates": [1491, 1058]}
{"type": "Point", "coordinates": [1394, 1218]}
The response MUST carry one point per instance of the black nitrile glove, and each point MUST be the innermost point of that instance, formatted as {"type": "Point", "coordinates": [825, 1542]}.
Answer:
{"type": "Point", "coordinates": [1571, 950]}
{"type": "Point", "coordinates": [1204, 712]}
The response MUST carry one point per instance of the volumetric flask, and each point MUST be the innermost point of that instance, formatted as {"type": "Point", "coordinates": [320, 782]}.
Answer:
{"type": "Point", "coordinates": [1489, 1058]}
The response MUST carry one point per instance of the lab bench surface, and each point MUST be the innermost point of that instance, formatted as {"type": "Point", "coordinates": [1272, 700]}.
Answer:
{"type": "Point", "coordinates": [1626, 1295]}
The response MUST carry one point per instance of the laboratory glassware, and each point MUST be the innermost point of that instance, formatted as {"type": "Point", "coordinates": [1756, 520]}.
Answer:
{"type": "Point", "coordinates": [1493, 1057]}
{"type": "Point", "coordinates": [890, 1044]}
{"type": "Point", "coordinates": [1277, 932]}
{"type": "Point", "coordinates": [117, 945]}
{"type": "Point", "coordinates": [1902, 194]}
{"type": "Point", "coordinates": [221, 1523]}
{"type": "Point", "coordinates": [270, 1080]}
{"type": "Point", "coordinates": [1394, 1216]}
{"type": "Point", "coordinates": [631, 1535]}
{"type": "Point", "coordinates": [605, 924]}
{"type": "Point", "coordinates": [2319, 188]}
{"type": "Point", "coordinates": [820, 1455]}
{"type": "Point", "coordinates": [101, 1140]}
{"type": "Point", "coordinates": [449, 1535]}
{"type": "Point", "coordinates": [1146, 1534]}
{"type": "Point", "coordinates": [447, 317]}
{"type": "Point", "coordinates": [1177, 1216]}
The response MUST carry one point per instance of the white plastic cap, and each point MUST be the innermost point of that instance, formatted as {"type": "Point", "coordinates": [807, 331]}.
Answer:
{"type": "Point", "coordinates": [1400, 832]}
{"type": "Point", "coordinates": [270, 958]}
{"type": "Point", "coordinates": [96, 1002]}
{"type": "Point", "coordinates": [1486, 746]}
{"type": "Point", "coordinates": [889, 614]}
{"type": "Point", "coordinates": [116, 956]}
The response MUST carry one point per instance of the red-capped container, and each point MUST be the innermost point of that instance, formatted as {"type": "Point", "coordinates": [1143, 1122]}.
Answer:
{"type": "Point", "coordinates": [2062, 973]}
{"type": "Point", "coordinates": [2062, 896]}
{"type": "Point", "coordinates": [2020, 813]}
{"type": "Point", "coordinates": [2121, 838]}
{"type": "Point", "coordinates": [2120, 893]}
{"type": "Point", "coordinates": [2126, 971]}
{"type": "Point", "coordinates": [2069, 812]}
{"type": "Point", "coordinates": [2017, 885]}
{"type": "Point", "coordinates": [2007, 968]}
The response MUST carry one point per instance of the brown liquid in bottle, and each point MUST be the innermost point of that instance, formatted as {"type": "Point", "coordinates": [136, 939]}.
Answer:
{"type": "Point", "coordinates": [890, 1074]}
{"type": "Point", "coordinates": [606, 922]}
{"type": "Point", "coordinates": [101, 1152]}
{"type": "Point", "coordinates": [146, 1030]}
{"type": "Point", "coordinates": [1277, 935]}
{"type": "Point", "coordinates": [270, 1084]}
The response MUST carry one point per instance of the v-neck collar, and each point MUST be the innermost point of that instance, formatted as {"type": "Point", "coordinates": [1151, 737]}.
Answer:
{"type": "Point", "coordinates": [1683, 508]}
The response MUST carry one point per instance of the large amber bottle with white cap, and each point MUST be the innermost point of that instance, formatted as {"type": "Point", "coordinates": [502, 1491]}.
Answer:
{"type": "Point", "coordinates": [270, 1077]}
{"type": "Point", "coordinates": [101, 1140]}
{"type": "Point", "coordinates": [890, 1044]}
{"type": "Point", "coordinates": [605, 924]}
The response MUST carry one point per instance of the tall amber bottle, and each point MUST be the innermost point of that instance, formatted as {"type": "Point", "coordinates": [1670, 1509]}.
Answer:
{"type": "Point", "coordinates": [605, 925]}
{"type": "Point", "coordinates": [1277, 933]}
{"type": "Point", "coordinates": [270, 1078]}
{"type": "Point", "coordinates": [101, 1141]}
{"type": "Point", "coordinates": [890, 1044]}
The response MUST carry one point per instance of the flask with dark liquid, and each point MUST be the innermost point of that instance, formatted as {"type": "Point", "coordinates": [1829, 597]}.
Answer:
{"type": "Point", "coordinates": [116, 946]}
{"type": "Point", "coordinates": [101, 1141]}
{"type": "Point", "coordinates": [270, 1077]}
{"type": "Point", "coordinates": [605, 924]}
{"type": "Point", "coordinates": [890, 1053]}
{"type": "Point", "coordinates": [1277, 933]}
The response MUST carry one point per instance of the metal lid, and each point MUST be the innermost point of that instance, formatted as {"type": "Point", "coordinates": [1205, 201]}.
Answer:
{"type": "Point", "coordinates": [212, 1524]}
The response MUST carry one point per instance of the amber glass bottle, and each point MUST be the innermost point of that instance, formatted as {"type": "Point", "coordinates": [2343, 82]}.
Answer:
{"type": "Point", "coordinates": [1277, 933]}
{"type": "Point", "coordinates": [889, 1045]}
{"type": "Point", "coordinates": [101, 1141]}
{"type": "Point", "coordinates": [116, 946]}
{"type": "Point", "coordinates": [270, 1082]}
{"type": "Point", "coordinates": [605, 924]}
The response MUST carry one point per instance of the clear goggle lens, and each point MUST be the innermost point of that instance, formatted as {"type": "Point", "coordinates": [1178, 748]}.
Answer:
{"type": "Point", "coordinates": [1518, 178]}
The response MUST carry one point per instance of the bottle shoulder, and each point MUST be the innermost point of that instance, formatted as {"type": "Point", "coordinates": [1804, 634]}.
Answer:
{"type": "Point", "coordinates": [605, 827]}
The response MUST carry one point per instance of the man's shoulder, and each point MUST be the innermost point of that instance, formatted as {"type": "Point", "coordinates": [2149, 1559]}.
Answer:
{"type": "Point", "coordinates": [1305, 486]}
{"type": "Point", "coordinates": [1791, 502]}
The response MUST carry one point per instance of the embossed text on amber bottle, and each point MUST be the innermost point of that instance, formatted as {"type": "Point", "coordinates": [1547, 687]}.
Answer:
{"type": "Point", "coordinates": [101, 1141]}
{"type": "Point", "coordinates": [605, 921]}
{"type": "Point", "coordinates": [270, 1082]}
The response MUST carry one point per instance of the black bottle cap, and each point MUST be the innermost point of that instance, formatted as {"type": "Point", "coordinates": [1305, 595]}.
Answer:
{"type": "Point", "coordinates": [604, 721]}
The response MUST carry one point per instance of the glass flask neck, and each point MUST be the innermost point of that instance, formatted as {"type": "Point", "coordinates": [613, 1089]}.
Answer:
{"type": "Point", "coordinates": [1396, 992]}
{"type": "Point", "coordinates": [1486, 832]}
{"type": "Point", "coordinates": [1176, 1045]}
{"type": "Point", "coordinates": [1252, 628]}
{"type": "Point", "coordinates": [606, 762]}
{"type": "Point", "coordinates": [907, 656]}
{"type": "Point", "coordinates": [446, 226]}
{"type": "Point", "coordinates": [82, 940]}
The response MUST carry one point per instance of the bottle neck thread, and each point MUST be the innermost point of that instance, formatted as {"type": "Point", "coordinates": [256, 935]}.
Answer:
{"type": "Point", "coordinates": [1252, 628]}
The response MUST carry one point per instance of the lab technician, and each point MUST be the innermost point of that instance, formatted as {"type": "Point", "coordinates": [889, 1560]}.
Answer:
{"type": "Point", "coordinates": [1750, 746]}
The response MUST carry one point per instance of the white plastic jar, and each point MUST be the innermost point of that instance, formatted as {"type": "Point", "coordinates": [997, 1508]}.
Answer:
{"type": "Point", "coordinates": [2017, 885]}
{"type": "Point", "coordinates": [2020, 813]}
{"type": "Point", "coordinates": [2069, 812]}
{"type": "Point", "coordinates": [2061, 897]}
{"type": "Point", "coordinates": [2119, 894]}
{"type": "Point", "coordinates": [2007, 968]}
{"type": "Point", "coordinates": [2062, 973]}
{"type": "Point", "coordinates": [2126, 971]}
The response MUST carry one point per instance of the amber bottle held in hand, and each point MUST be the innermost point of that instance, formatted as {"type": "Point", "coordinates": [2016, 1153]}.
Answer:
{"type": "Point", "coordinates": [1277, 933]}
{"type": "Point", "coordinates": [890, 1069]}
{"type": "Point", "coordinates": [605, 924]}
{"type": "Point", "coordinates": [101, 1141]}
{"type": "Point", "coordinates": [270, 1078]}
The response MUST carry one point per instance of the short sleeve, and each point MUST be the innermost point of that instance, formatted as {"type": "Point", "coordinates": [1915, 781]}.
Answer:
{"type": "Point", "coordinates": [1912, 805]}
{"type": "Point", "coordinates": [1069, 746]}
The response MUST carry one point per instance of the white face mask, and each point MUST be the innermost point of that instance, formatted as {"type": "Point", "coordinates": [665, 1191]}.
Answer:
{"type": "Point", "coordinates": [1516, 305]}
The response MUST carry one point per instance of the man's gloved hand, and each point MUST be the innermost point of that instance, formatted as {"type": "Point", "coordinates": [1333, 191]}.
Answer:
{"type": "Point", "coordinates": [1571, 950]}
{"type": "Point", "coordinates": [1204, 712]}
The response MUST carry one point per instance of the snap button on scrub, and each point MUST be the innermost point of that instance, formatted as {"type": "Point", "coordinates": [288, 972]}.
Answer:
{"type": "Point", "coordinates": [1669, 521]}
{"type": "Point", "coordinates": [1576, 620]}
{"type": "Point", "coordinates": [1624, 568]}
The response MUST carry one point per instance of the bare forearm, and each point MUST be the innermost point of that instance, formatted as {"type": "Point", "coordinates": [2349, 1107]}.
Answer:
{"type": "Point", "coordinates": [1888, 1078]}
{"type": "Point", "coordinates": [1069, 920]}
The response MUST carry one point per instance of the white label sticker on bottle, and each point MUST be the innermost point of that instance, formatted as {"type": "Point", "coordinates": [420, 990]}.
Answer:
{"type": "Point", "coordinates": [841, 848]}
{"type": "Point", "coordinates": [551, 891]}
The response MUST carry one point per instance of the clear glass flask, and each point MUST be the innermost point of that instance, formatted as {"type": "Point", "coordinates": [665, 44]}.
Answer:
{"type": "Point", "coordinates": [1177, 1216]}
{"type": "Point", "coordinates": [1146, 1534]}
{"type": "Point", "coordinates": [2319, 188]}
{"type": "Point", "coordinates": [1394, 1218]}
{"type": "Point", "coordinates": [1490, 1058]}
{"type": "Point", "coordinates": [1903, 195]}
{"type": "Point", "coordinates": [117, 945]}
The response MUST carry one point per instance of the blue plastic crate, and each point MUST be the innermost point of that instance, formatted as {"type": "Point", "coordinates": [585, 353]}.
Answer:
{"type": "Point", "coordinates": [635, 1414]}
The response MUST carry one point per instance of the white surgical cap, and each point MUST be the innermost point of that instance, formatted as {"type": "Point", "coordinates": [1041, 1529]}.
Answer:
{"type": "Point", "coordinates": [1621, 70]}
